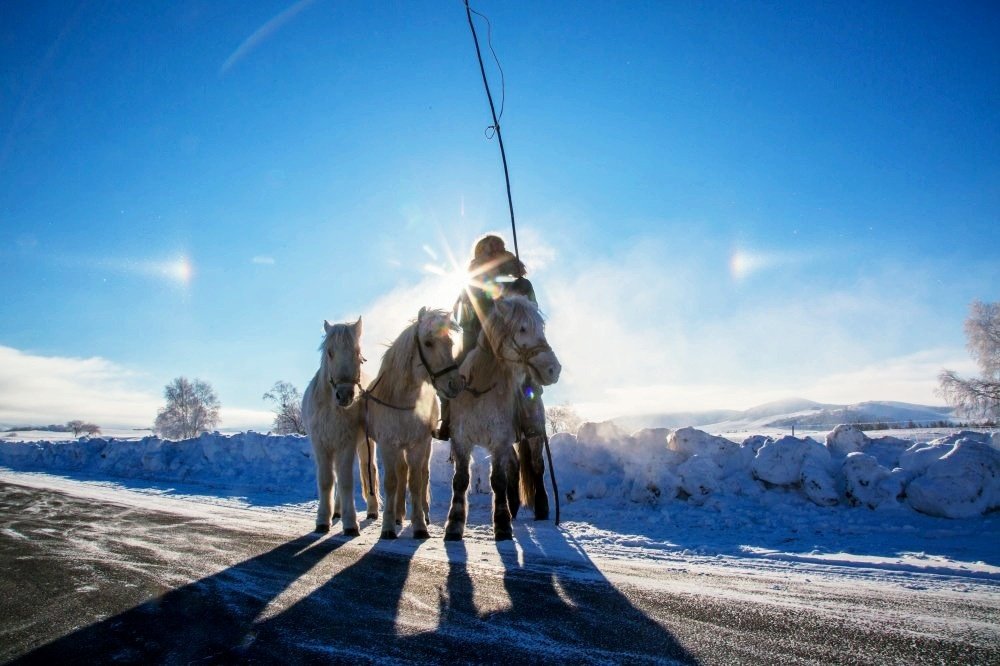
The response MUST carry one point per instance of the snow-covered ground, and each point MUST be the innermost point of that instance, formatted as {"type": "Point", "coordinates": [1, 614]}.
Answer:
{"type": "Point", "coordinates": [904, 512]}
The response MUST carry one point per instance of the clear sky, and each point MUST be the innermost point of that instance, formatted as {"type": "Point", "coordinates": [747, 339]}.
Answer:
{"type": "Point", "coordinates": [720, 204]}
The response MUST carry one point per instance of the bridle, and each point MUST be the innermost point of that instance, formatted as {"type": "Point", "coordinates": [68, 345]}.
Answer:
{"type": "Point", "coordinates": [345, 382]}
{"type": "Point", "coordinates": [423, 359]}
{"type": "Point", "coordinates": [523, 354]}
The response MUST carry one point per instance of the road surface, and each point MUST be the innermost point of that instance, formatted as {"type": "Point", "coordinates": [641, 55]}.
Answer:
{"type": "Point", "coordinates": [88, 580]}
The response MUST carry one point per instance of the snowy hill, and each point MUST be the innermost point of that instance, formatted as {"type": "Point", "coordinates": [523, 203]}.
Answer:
{"type": "Point", "coordinates": [798, 412]}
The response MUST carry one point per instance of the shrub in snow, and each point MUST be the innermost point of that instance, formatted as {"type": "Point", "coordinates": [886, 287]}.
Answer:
{"type": "Point", "coordinates": [963, 482]}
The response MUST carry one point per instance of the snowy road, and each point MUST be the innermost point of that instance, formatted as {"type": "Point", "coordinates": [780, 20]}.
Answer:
{"type": "Point", "coordinates": [109, 575]}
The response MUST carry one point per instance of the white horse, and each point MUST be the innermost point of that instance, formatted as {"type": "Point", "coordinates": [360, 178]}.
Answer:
{"type": "Point", "coordinates": [511, 347]}
{"type": "Point", "coordinates": [332, 418]}
{"type": "Point", "coordinates": [402, 410]}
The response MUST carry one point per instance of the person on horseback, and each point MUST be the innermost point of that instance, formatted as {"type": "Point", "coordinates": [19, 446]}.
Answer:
{"type": "Point", "coordinates": [493, 273]}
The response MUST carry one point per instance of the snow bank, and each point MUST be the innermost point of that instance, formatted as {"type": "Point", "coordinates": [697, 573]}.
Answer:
{"type": "Point", "coordinates": [246, 460]}
{"type": "Point", "coordinates": [955, 477]}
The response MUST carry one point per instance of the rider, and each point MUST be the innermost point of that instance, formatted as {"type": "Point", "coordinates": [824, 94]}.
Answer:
{"type": "Point", "coordinates": [495, 272]}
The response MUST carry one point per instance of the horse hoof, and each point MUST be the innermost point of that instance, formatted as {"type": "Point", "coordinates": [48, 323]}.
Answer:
{"type": "Point", "coordinates": [399, 522]}
{"type": "Point", "coordinates": [542, 515]}
{"type": "Point", "coordinates": [336, 517]}
{"type": "Point", "coordinates": [352, 531]}
{"type": "Point", "coordinates": [451, 536]}
{"type": "Point", "coordinates": [322, 529]}
{"type": "Point", "coordinates": [421, 534]}
{"type": "Point", "coordinates": [503, 533]}
{"type": "Point", "coordinates": [373, 515]}
{"type": "Point", "coordinates": [388, 534]}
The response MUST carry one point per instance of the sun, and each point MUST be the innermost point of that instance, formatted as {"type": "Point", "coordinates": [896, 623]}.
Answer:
{"type": "Point", "coordinates": [180, 270]}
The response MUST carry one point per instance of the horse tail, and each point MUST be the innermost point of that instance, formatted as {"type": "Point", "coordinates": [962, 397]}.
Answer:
{"type": "Point", "coordinates": [369, 473]}
{"type": "Point", "coordinates": [527, 473]}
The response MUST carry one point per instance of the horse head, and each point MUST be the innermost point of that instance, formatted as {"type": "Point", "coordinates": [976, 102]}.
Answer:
{"type": "Point", "coordinates": [340, 365]}
{"type": "Point", "coordinates": [516, 333]}
{"type": "Point", "coordinates": [432, 334]}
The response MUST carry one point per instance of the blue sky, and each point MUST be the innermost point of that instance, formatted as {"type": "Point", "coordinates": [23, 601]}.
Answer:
{"type": "Point", "coordinates": [720, 203]}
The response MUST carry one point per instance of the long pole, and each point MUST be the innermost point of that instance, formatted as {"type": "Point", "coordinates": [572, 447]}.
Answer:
{"type": "Point", "coordinates": [496, 126]}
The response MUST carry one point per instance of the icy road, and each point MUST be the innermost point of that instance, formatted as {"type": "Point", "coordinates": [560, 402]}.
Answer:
{"type": "Point", "coordinates": [92, 573]}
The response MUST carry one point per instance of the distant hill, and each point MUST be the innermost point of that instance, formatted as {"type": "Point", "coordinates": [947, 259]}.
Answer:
{"type": "Point", "coordinates": [893, 413]}
{"type": "Point", "coordinates": [797, 412]}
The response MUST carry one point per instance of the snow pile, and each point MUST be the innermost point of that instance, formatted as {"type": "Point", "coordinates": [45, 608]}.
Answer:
{"type": "Point", "coordinates": [962, 482]}
{"type": "Point", "coordinates": [956, 476]}
{"type": "Point", "coordinates": [246, 460]}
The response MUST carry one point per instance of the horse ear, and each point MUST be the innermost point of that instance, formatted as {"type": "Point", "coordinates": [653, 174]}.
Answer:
{"type": "Point", "coordinates": [357, 329]}
{"type": "Point", "coordinates": [420, 315]}
{"type": "Point", "coordinates": [327, 327]}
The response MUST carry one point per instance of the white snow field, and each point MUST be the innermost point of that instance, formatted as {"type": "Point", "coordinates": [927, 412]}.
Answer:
{"type": "Point", "coordinates": [917, 514]}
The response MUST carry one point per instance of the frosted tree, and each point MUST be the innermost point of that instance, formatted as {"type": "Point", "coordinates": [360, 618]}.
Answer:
{"type": "Point", "coordinates": [78, 426]}
{"type": "Point", "coordinates": [287, 408]}
{"type": "Point", "coordinates": [978, 396]}
{"type": "Point", "coordinates": [562, 418]}
{"type": "Point", "coordinates": [192, 408]}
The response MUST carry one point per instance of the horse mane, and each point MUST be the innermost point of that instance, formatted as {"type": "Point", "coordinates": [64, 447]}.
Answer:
{"type": "Point", "coordinates": [509, 314]}
{"type": "Point", "coordinates": [400, 359]}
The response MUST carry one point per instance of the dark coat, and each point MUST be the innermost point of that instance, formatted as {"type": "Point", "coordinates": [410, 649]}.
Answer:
{"type": "Point", "coordinates": [467, 317]}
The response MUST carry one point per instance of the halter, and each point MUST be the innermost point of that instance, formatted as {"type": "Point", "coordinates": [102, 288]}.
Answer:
{"type": "Point", "coordinates": [344, 382]}
{"type": "Point", "coordinates": [524, 354]}
{"type": "Point", "coordinates": [423, 359]}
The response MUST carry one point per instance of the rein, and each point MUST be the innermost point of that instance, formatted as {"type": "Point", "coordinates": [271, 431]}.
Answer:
{"type": "Point", "coordinates": [423, 359]}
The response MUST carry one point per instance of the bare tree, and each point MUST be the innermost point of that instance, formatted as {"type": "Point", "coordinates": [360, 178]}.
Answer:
{"type": "Point", "coordinates": [78, 426]}
{"type": "Point", "coordinates": [562, 418]}
{"type": "Point", "coordinates": [978, 396]}
{"type": "Point", "coordinates": [192, 408]}
{"type": "Point", "coordinates": [287, 408]}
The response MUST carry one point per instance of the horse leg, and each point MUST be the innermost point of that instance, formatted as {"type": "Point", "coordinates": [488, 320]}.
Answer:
{"type": "Point", "coordinates": [416, 459]}
{"type": "Point", "coordinates": [345, 488]}
{"type": "Point", "coordinates": [390, 463]}
{"type": "Point", "coordinates": [513, 499]}
{"type": "Point", "coordinates": [402, 471]}
{"type": "Point", "coordinates": [369, 477]}
{"type": "Point", "coordinates": [536, 469]}
{"type": "Point", "coordinates": [324, 487]}
{"type": "Point", "coordinates": [498, 481]}
{"type": "Point", "coordinates": [455, 527]}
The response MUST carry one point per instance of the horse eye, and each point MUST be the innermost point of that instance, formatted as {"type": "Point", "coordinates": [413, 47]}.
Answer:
{"type": "Point", "coordinates": [428, 344]}
{"type": "Point", "coordinates": [524, 329]}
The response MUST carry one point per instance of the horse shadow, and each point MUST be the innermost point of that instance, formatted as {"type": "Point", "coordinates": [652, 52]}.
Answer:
{"type": "Point", "coordinates": [540, 608]}
{"type": "Point", "coordinates": [211, 619]}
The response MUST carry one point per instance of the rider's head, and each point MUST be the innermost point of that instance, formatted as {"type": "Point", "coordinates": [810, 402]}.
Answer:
{"type": "Point", "coordinates": [491, 258]}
